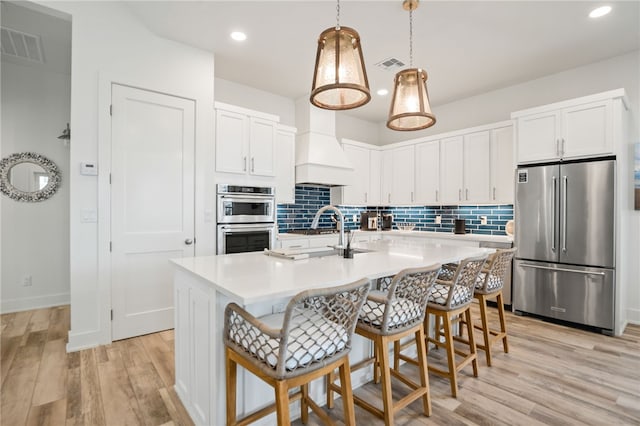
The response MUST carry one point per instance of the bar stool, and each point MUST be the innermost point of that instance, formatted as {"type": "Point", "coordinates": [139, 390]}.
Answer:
{"type": "Point", "coordinates": [311, 338]}
{"type": "Point", "coordinates": [452, 296]}
{"type": "Point", "coordinates": [388, 316]}
{"type": "Point", "coordinates": [489, 285]}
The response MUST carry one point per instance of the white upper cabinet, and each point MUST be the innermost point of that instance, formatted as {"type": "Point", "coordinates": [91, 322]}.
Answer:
{"type": "Point", "coordinates": [375, 177]}
{"type": "Point", "coordinates": [502, 166]}
{"type": "Point", "coordinates": [365, 187]}
{"type": "Point", "coordinates": [576, 128]}
{"type": "Point", "coordinates": [398, 165]}
{"type": "Point", "coordinates": [477, 167]}
{"type": "Point", "coordinates": [451, 169]}
{"type": "Point", "coordinates": [285, 165]}
{"type": "Point", "coordinates": [245, 141]}
{"type": "Point", "coordinates": [427, 180]}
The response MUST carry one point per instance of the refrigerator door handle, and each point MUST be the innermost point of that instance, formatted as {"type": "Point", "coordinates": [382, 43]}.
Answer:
{"type": "Point", "coordinates": [564, 214]}
{"type": "Point", "coordinates": [577, 271]}
{"type": "Point", "coordinates": [553, 210]}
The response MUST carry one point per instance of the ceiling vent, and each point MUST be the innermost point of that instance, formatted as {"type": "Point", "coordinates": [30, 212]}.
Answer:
{"type": "Point", "coordinates": [390, 64]}
{"type": "Point", "coordinates": [21, 45]}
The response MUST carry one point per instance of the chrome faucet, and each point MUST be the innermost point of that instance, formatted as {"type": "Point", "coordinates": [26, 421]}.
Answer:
{"type": "Point", "coordinates": [316, 219]}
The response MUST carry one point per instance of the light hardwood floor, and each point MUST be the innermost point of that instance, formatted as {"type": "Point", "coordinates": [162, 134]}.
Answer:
{"type": "Point", "coordinates": [553, 375]}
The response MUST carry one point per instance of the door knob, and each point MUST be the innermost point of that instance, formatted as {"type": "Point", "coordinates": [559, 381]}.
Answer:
{"type": "Point", "coordinates": [188, 241]}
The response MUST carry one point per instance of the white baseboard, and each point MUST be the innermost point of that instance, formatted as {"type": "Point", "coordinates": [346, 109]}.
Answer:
{"type": "Point", "coordinates": [29, 303]}
{"type": "Point", "coordinates": [84, 340]}
{"type": "Point", "coordinates": [633, 316]}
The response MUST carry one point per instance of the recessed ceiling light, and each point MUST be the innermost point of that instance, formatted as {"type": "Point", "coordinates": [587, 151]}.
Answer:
{"type": "Point", "coordinates": [382, 92]}
{"type": "Point", "coordinates": [238, 36]}
{"type": "Point", "coordinates": [600, 11]}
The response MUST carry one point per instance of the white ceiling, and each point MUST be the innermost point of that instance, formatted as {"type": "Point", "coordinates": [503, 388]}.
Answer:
{"type": "Point", "coordinates": [466, 47]}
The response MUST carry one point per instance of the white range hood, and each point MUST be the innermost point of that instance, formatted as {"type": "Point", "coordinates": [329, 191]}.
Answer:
{"type": "Point", "coordinates": [319, 157]}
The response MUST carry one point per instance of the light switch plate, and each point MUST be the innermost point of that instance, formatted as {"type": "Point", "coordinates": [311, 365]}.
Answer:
{"type": "Point", "coordinates": [88, 215]}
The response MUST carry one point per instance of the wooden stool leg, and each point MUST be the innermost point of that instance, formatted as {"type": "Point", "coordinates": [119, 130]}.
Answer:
{"type": "Point", "coordinates": [387, 396]}
{"type": "Point", "coordinates": [437, 328]}
{"type": "Point", "coordinates": [472, 342]}
{"type": "Point", "coordinates": [396, 355]}
{"type": "Point", "coordinates": [330, 380]}
{"type": "Point", "coordinates": [485, 327]}
{"type": "Point", "coordinates": [503, 322]}
{"type": "Point", "coordinates": [425, 329]}
{"type": "Point", "coordinates": [231, 370]}
{"type": "Point", "coordinates": [424, 377]}
{"type": "Point", "coordinates": [282, 403]}
{"type": "Point", "coordinates": [304, 404]}
{"type": "Point", "coordinates": [347, 396]}
{"type": "Point", "coordinates": [451, 360]}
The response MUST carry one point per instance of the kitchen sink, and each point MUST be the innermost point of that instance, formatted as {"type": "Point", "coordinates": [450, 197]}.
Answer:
{"type": "Point", "coordinates": [335, 251]}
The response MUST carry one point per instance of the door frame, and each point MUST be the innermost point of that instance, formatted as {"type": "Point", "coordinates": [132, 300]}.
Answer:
{"type": "Point", "coordinates": [204, 224]}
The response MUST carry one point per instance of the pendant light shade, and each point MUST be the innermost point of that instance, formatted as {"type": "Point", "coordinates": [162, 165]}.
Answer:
{"type": "Point", "coordinates": [339, 79]}
{"type": "Point", "coordinates": [410, 108]}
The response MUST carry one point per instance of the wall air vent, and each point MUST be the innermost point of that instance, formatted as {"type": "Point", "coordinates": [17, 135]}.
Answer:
{"type": "Point", "coordinates": [21, 45]}
{"type": "Point", "coordinates": [390, 64]}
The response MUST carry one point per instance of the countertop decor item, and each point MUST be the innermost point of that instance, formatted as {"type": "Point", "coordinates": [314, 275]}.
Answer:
{"type": "Point", "coordinates": [410, 108]}
{"type": "Point", "coordinates": [406, 226]}
{"type": "Point", "coordinates": [508, 229]}
{"type": "Point", "coordinates": [339, 78]}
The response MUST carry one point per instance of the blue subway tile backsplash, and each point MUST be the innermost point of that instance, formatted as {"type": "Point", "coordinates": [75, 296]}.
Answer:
{"type": "Point", "coordinates": [311, 198]}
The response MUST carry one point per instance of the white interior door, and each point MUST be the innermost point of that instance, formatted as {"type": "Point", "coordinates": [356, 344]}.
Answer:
{"type": "Point", "coordinates": [152, 205]}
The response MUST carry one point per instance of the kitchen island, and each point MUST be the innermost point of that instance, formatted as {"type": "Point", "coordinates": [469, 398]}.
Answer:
{"type": "Point", "coordinates": [203, 286]}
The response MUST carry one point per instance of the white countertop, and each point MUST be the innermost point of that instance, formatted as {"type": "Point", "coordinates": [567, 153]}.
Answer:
{"type": "Point", "coordinates": [254, 277]}
{"type": "Point", "coordinates": [420, 234]}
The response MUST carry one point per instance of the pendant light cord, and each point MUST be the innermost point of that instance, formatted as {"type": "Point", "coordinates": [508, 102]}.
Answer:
{"type": "Point", "coordinates": [338, 15]}
{"type": "Point", "coordinates": [411, 38]}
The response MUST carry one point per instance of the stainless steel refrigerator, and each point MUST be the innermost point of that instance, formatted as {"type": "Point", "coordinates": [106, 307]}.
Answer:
{"type": "Point", "coordinates": [565, 235]}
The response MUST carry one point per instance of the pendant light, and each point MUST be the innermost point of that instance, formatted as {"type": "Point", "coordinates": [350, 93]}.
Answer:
{"type": "Point", "coordinates": [339, 79]}
{"type": "Point", "coordinates": [410, 109]}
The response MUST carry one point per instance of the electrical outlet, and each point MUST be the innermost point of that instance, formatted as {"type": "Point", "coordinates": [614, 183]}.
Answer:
{"type": "Point", "coordinates": [438, 220]}
{"type": "Point", "coordinates": [483, 220]}
{"type": "Point", "coordinates": [354, 217]}
{"type": "Point", "coordinates": [277, 308]}
{"type": "Point", "coordinates": [27, 281]}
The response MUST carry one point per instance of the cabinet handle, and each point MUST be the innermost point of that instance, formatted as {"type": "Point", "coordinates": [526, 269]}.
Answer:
{"type": "Point", "coordinates": [389, 197]}
{"type": "Point", "coordinates": [412, 196]}
{"type": "Point", "coordinates": [253, 164]}
{"type": "Point", "coordinates": [466, 194]}
{"type": "Point", "coordinates": [437, 195]}
{"type": "Point", "coordinates": [244, 163]}
{"type": "Point", "coordinates": [296, 246]}
{"type": "Point", "coordinates": [459, 194]}
{"type": "Point", "coordinates": [365, 197]}
{"type": "Point", "coordinates": [494, 192]}
{"type": "Point", "coordinates": [562, 148]}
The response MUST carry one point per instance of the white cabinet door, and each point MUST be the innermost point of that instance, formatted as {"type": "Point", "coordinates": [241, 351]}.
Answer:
{"type": "Point", "coordinates": [231, 136]}
{"type": "Point", "coordinates": [387, 177]}
{"type": "Point", "coordinates": [375, 177]}
{"type": "Point", "coordinates": [357, 192]}
{"type": "Point", "coordinates": [427, 171]}
{"type": "Point", "coordinates": [285, 166]}
{"type": "Point", "coordinates": [587, 130]}
{"type": "Point", "coordinates": [261, 147]}
{"type": "Point", "coordinates": [538, 137]}
{"type": "Point", "coordinates": [451, 157]}
{"type": "Point", "coordinates": [402, 186]}
{"type": "Point", "coordinates": [201, 314]}
{"type": "Point", "coordinates": [477, 167]}
{"type": "Point", "coordinates": [295, 243]}
{"type": "Point", "coordinates": [502, 166]}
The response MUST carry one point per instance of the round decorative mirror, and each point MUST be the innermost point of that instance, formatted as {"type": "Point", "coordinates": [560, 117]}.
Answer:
{"type": "Point", "coordinates": [28, 177]}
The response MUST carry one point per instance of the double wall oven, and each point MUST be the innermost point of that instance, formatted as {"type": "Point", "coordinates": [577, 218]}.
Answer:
{"type": "Point", "coordinates": [246, 218]}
